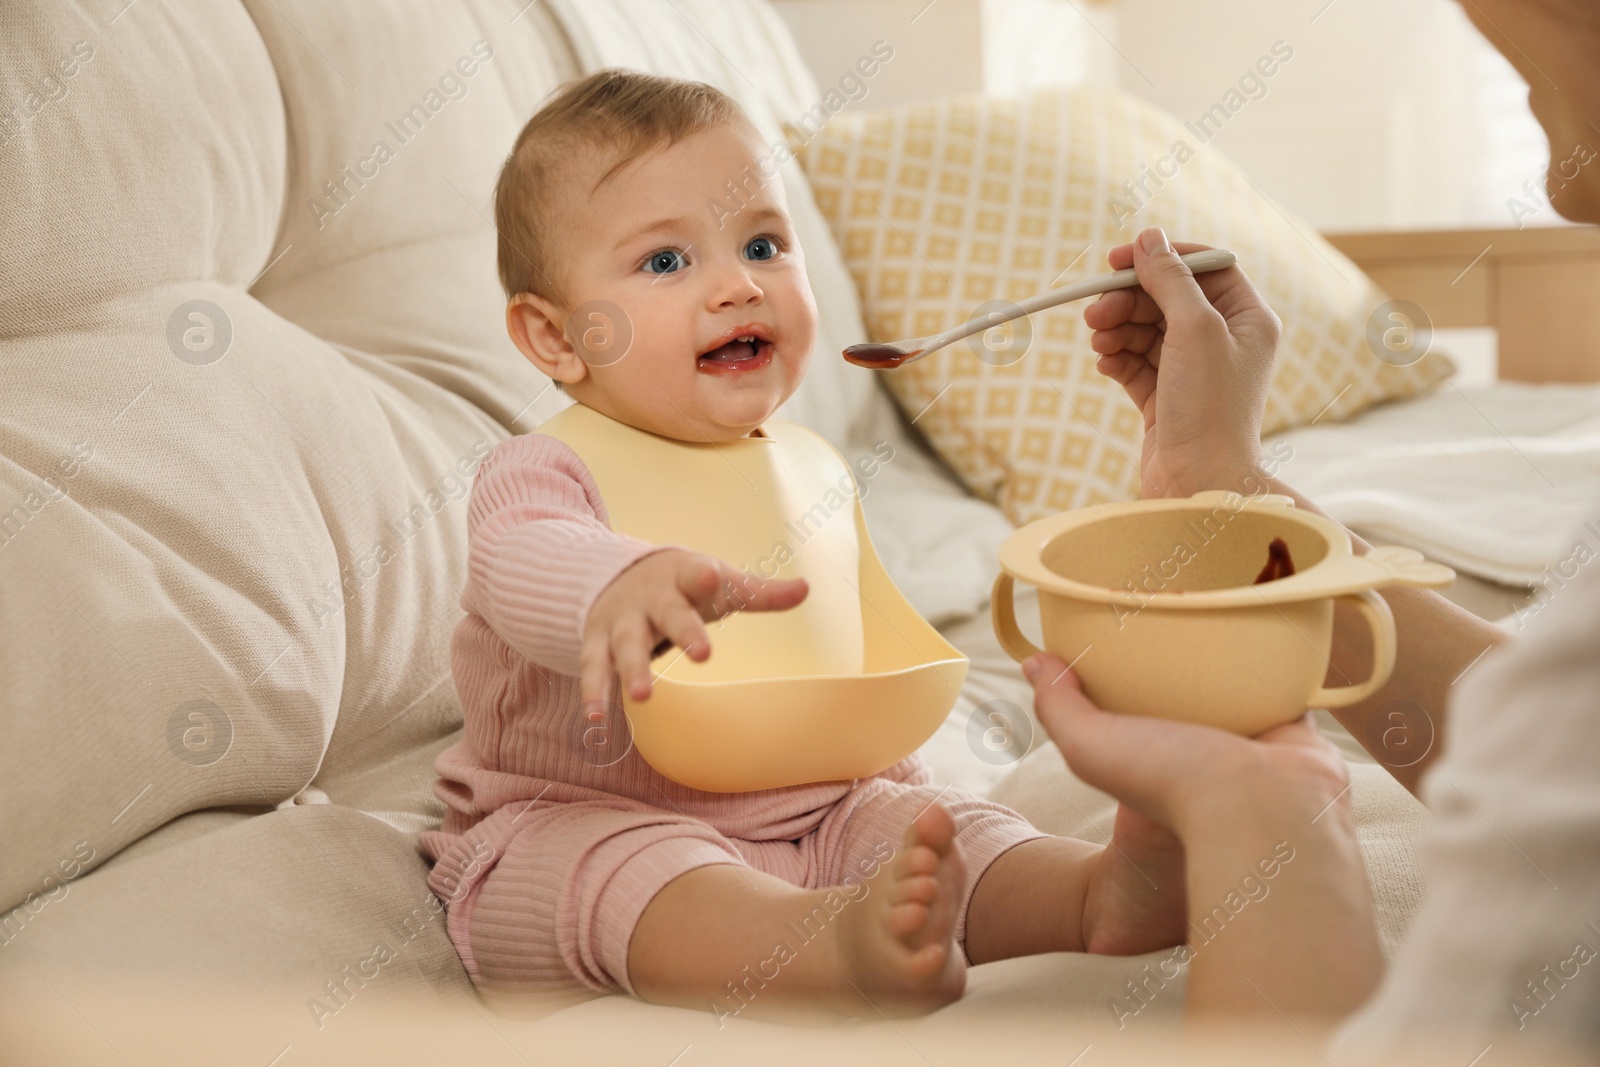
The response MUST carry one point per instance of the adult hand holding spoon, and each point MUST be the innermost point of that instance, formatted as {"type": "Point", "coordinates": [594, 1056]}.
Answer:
{"type": "Point", "coordinates": [884, 356]}
{"type": "Point", "coordinates": [1195, 355]}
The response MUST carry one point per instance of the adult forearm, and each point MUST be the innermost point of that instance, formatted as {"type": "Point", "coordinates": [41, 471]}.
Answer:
{"type": "Point", "coordinates": [1280, 915]}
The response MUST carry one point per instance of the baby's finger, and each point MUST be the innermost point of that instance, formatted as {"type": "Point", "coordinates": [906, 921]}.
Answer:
{"type": "Point", "coordinates": [630, 647]}
{"type": "Point", "coordinates": [682, 624]}
{"type": "Point", "coordinates": [595, 670]}
{"type": "Point", "coordinates": [750, 592]}
{"type": "Point", "coordinates": [703, 582]}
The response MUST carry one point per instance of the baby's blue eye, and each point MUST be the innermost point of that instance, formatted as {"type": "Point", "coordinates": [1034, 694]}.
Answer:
{"type": "Point", "coordinates": [761, 248]}
{"type": "Point", "coordinates": [664, 262]}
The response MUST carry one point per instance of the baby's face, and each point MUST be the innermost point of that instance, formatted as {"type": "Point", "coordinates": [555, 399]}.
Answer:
{"type": "Point", "coordinates": [714, 293]}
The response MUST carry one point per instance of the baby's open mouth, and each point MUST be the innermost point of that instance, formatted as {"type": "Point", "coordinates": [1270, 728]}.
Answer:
{"type": "Point", "coordinates": [744, 351]}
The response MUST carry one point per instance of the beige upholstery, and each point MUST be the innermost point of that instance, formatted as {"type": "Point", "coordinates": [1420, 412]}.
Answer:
{"type": "Point", "coordinates": [277, 532]}
{"type": "Point", "coordinates": [224, 634]}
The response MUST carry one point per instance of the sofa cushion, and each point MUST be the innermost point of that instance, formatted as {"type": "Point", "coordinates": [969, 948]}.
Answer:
{"type": "Point", "coordinates": [397, 128]}
{"type": "Point", "coordinates": [237, 447]}
{"type": "Point", "coordinates": [137, 151]}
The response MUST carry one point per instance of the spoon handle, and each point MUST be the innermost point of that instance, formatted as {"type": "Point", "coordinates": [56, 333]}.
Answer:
{"type": "Point", "coordinates": [1198, 263]}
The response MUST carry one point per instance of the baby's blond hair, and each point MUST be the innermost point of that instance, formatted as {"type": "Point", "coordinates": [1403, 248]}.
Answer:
{"type": "Point", "coordinates": [622, 112]}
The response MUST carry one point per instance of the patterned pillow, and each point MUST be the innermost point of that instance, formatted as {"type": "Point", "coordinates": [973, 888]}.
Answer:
{"type": "Point", "coordinates": [944, 206]}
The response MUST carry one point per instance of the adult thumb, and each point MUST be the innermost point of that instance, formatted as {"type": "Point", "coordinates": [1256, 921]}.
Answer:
{"type": "Point", "coordinates": [1168, 280]}
{"type": "Point", "coordinates": [1137, 759]}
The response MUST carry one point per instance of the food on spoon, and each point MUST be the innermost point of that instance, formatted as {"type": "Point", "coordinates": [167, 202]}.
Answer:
{"type": "Point", "coordinates": [877, 356]}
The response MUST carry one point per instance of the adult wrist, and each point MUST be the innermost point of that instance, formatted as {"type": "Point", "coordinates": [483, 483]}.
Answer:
{"type": "Point", "coordinates": [1244, 476]}
{"type": "Point", "coordinates": [1262, 798]}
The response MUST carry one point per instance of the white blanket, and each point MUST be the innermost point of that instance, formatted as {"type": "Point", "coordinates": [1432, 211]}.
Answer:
{"type": "Point", "coordinates": [1493, 480]}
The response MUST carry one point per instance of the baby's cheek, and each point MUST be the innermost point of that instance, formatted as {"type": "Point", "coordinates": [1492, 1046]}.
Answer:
{"type": "Point", "coordinates": [805, 311]}
{"type": "Point", "coordinates": [802, 340]}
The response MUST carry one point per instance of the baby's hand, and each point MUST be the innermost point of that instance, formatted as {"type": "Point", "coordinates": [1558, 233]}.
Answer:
{"type": "Point", "coordinates": [1195, 354]}
{"type": "Point", "coordinates": [666, 597]}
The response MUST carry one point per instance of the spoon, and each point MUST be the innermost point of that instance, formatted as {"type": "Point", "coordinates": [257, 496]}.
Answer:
{"type": "Point", "coordinates": [885, 356]}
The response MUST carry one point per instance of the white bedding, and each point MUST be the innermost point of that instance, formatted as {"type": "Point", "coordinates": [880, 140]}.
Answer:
{"type": "Point", "coordinates": [1494, 480]}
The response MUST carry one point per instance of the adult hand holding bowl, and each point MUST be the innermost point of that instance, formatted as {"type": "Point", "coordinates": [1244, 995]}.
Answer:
{"type": "Point", "coordinates": [1156, 606]}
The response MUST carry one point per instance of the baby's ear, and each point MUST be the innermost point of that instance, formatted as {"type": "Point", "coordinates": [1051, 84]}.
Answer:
{"type": "Point", "coordinates": [538, 329]}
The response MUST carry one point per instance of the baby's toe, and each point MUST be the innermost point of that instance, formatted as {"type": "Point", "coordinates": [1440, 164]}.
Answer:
{"type": "Point", "coordinates": [906, 920]}
{"type": "Point", "coordinates": [933, 828]}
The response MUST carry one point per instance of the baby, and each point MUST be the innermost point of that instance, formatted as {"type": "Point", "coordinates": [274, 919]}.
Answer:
{"type": "Point", "coordinates": [563, 871]}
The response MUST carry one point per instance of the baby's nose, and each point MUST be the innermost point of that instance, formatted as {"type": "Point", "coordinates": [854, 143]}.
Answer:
{"type": "Point", "coordinates": [736, 288]}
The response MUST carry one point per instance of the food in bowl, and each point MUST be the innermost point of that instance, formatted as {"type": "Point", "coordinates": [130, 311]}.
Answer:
{"type": "Point", "coordinates": [1279, 563]}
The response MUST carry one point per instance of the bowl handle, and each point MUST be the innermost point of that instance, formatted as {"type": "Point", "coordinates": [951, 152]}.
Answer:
{"type": "Point", "coordinates": [1005, 622]}
{"type": "Point", "coordinates": [1376, 611]}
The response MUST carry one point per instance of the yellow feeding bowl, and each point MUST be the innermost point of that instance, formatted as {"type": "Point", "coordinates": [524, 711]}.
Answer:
{"type": "Point", "coordinates": [1156, 605]}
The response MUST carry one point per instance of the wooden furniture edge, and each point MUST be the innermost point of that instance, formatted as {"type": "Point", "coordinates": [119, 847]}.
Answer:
{"type": "Point", "coordinates": [1539, 288]}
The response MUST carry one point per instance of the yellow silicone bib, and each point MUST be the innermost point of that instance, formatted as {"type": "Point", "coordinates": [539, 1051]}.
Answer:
{"type": "Point", "coordinates": [843, 686]}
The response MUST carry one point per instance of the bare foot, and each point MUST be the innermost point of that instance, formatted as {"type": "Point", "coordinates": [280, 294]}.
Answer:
{"type": "Point", "coordinates": [1137, 900]}
{"type": "Point", "coordinates": [898, 946]}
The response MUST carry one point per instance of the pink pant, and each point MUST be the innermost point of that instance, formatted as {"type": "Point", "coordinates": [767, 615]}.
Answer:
{"type": "Point", "coordinates": [556, 911]}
